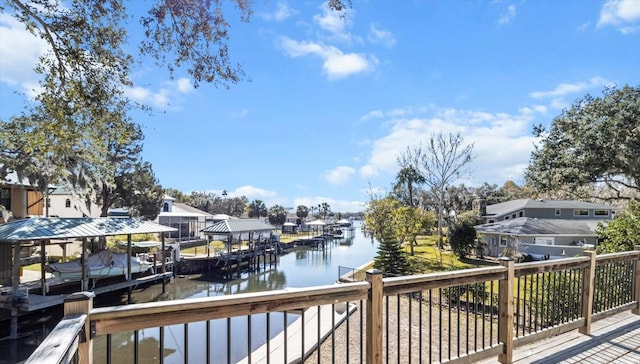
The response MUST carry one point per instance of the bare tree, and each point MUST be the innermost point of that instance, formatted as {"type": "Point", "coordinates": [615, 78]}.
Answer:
{"type": "Point", "coordinates": [442, 161]}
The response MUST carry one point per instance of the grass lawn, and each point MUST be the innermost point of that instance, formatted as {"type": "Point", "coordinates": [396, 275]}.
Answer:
{"type": "Point", "coordinates": [428, 258]}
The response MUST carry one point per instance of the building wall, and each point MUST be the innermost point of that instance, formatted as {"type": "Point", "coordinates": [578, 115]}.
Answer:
{"type": "Point", "coordinates": [75, 208]}
{"type": "Point", "coordinates": [552, 213]}
{"type": "Point", "coordinates": [567, 246]}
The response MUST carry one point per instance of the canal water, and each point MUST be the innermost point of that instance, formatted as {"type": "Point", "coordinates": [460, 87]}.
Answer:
{"type": "Point", "coordinates": [301, 267]}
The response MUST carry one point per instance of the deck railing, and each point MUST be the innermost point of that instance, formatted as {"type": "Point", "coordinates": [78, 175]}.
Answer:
{"type": "Point", "coordinates": [457, 317]}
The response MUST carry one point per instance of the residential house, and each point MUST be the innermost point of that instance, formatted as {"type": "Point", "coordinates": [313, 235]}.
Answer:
{"type": "Point", "coordinates": [188, 220]}
{"type": "Point", "coordinates": [65, 203]}
{"type": "Point", "coordinates": [19, 197]}
{"type": "Point", "coordinates": [541, 228]}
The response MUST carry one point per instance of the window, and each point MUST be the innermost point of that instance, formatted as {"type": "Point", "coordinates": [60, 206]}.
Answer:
{"type": "Point", "coordinates": [67, 203]}
{"type": "Point", "coordinates": [558, 212]}
{"type": "Point", "coordinates": [506, 217]}
{"type": "Point", "coordinates": [513, 216]}
{"type": "Point", "coordinates": [503, 240]}
{"type": "Point", "coordinates": [491, 221]}
{"type": "Point", "coordinates": [521, 214]}
{"type": "Point", "coordinates": [5, 198]}
{"type": "Point", "coordinates": [601, 212]}
{"type": "Point", "coordinates": [580, 212]}
{"type": "Point", "coordinates": [165, 207]}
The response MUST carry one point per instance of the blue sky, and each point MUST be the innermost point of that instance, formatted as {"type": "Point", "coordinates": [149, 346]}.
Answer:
{"type": "Point", "coordinates": [328, 105]}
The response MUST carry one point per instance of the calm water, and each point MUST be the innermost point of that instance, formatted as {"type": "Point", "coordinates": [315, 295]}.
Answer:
{"type": "Point", "coordinates": [302, 267]}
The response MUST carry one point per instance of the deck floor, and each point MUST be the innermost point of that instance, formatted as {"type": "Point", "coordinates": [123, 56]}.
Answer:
{"type": "Point", "coordinates": [615, 339]}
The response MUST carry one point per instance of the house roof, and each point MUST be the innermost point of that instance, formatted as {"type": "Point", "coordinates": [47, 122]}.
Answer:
{"type": "Point", "coordinates": [234, 226]}
{"type": "Point", "coordinates": [515, 205]}
{"type": "Point", "coordinates": [531, 226]}
{"type": "Point", "coordinates": [45, 228]}
{"type": "Point", "coordinates": [180, 209]}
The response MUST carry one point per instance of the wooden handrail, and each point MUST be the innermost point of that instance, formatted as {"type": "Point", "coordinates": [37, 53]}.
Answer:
{"type": "Point", "coordinates": [63, 346]}
{"type": "Point", "coordinates": [109, 320]}
{"type": "Point", "coordinates": [69, 342]}
{"type": "Point", "coordinates": [399, 285]}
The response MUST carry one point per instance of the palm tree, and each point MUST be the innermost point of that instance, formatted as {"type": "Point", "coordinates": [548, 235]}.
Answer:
{"type": "Point", "coordinates": [409, 176]}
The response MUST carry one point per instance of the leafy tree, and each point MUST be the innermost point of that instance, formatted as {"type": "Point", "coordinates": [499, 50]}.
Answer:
{"type": "Point", "coordinates": [595, 141]}
{"type": "Point", "coordinates": [236, 205]}
{"type": "Point", "coordinates": [378, 216]}
{"type": "Point", "coordinates": [462, 235]}
{"type": "Point", "coordinates": [277, 215]}
{"type": "Point", "coordinates": [489, 193]}
{"type": "Point", "coordinates": [87, 68]}
{"type": "Point", "coordinates": [444, 159]}
{"type": "Point", "coordinates": [302, 212]}
{"type": "Point", "coordinates": [623, 232]}
{"type": "Point", "coordinates": [409, 222]}
{"type": "Point", "coordinates": [178, 195]}
{"type": "Point", "coordinates": [257, 209]}
{"type": "Point", "coordinates": [140, 191]}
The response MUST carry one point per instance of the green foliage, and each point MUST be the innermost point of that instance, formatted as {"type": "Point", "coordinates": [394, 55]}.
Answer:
{"type": "Point", "coordinates": [257, 209]}
{"type": "Point", "coordinates": [302, 212]}
{"type": "Point", "coordinates": [277, 215]}
{"type": "Point", "coordinates": [140, 191]}
{"type": "Point", "coordinates": [556, 298]}
{"type": "Point", "coordinates": [623, 232]}
{"type": "Point", "coordinates": [462, 237]}
{"type": "Point", "coordinates": [391, 259]}
{"type": "Point", "coordinates": [378, 216]}
{"type": "Point", "coordinates": [595, 141]}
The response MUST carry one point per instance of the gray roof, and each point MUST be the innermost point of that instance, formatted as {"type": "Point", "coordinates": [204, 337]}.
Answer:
{"type": "Point", "coordinates": [531, 226]}
{"type": "Point", "coordinates": [45, 228]}
{"type": "Point", "coordinates": [234, 226]}
{"type": "Point", "coordinates": [515, 205]}
{"type": "Point", "coordinates": [12, 179]}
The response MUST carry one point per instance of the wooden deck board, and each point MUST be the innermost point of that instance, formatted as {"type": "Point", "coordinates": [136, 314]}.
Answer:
{"type": "Point", "coordinates": [615, 339]}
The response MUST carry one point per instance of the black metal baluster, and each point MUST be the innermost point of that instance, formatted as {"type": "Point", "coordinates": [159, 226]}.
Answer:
{"type": "Point", "coordinates": [136, 346]}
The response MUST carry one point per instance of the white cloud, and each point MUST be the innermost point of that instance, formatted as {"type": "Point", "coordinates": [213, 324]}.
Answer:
{"type": "Point", "coordinates": [622, 14]}
{"type": "Point", "coordinates": [253, 193]}
{"type": "Point", "coordinates": [373, 114]}
{"type": "Point", "coordinates": [509, 13]}
{"type": "Point", "coordinates": [239, 114]}
{"type": "Point", "coordinates": [560, 92]}
{"type": "Point", "coordinates": [336, 64]}
{"type": "Point", "coordinates": [159, 99]}
{"type": "Point", "coordinates": [184, 85]}
{"type": "Point", "coordinates": [381, 36]}
{"type": "Point", "coordinates": [502, 142]}
{"type": "Point", "coordinates": [20, 51]}
{"type": "Point", "coordinates": [339, 175]}
{"type": "Point", "coordinates": [336, 205]}
{"type": "Point", "coordinates": [330, 20]}
{"type": "Point", "coordinates": [165, 96]}
{"type": "Point", "coordinates": [282, 12]}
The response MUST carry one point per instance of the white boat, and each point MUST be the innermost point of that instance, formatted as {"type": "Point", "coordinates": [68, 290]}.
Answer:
{"type": "Point", "coordinates": [102, 264]}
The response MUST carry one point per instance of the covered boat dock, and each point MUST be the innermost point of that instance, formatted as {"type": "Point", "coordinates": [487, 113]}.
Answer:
{"type": "Point", "coordinates": [13, 235]}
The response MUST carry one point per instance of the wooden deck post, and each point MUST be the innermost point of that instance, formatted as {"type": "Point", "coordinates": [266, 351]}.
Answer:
{"type": "Point", "coordinates": [636, 285]}
{"type": "Point", "coordinates": [505, 322]}
{"type": "Point", "coordinates": [374, 317]}
{"type": "Point", "coordinates": [588, 288]}
{"type": "Point", "coordinates": [82, 303]}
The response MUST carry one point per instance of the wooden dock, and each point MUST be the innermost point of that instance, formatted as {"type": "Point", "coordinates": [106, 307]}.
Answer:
{"type": "Point", "coordinates": [30, 302]}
